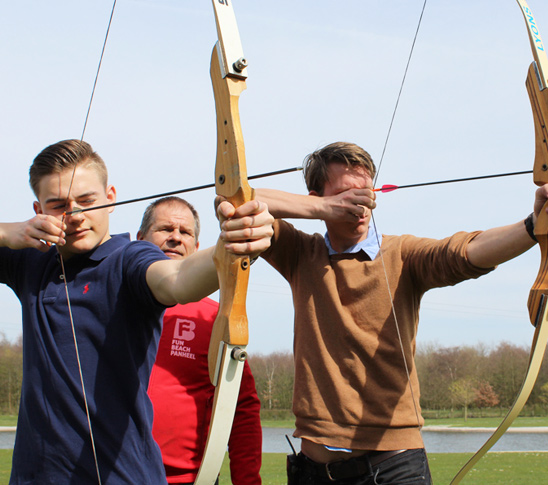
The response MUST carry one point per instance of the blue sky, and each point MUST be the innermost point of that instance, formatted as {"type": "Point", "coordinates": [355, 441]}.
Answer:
{"type": "Point", "coordinates": [319, 71]}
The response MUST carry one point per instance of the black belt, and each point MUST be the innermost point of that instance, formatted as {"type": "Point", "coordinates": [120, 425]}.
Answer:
{"type": "Point", "coordinates": [342, 469]}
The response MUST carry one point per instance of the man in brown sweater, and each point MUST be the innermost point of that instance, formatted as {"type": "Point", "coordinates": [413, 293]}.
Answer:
{"type": "Point", "coordinates": [357, 296]}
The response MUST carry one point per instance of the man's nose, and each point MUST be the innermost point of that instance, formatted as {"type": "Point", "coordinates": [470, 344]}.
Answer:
{"type": "Point", "coordinates": [73, 211]}
{"type": "Point", "coordinates": [175, 236]}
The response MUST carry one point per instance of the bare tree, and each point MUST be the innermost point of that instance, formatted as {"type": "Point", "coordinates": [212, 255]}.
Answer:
{"type": "Point", "coordinates": [464, 393]}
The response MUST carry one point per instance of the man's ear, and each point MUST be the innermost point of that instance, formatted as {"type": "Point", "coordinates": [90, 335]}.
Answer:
{"type": "Point", "coordinates": [37, 207]}
{"type": "Point", "coordinates": [139, 236]}
{"type": "Point", "coordinates": [314, 193]}
{"type": "Point", "coordinates": [111, 196]}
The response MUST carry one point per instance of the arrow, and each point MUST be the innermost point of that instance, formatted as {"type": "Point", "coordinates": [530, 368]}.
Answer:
{"type": "Point", "coordinates": [391, 188]}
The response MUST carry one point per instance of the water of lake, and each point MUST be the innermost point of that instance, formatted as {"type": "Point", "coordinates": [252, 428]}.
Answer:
{"type": "Point", "coordinates": [274, 441]}
{"type": "Point", "coordinates": [435, 441]}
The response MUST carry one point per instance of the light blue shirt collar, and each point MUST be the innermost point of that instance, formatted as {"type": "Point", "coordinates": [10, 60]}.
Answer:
{"type": "Point", "coordinates": [370, 245]}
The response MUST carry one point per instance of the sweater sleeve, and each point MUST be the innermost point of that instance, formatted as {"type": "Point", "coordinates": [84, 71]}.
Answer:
{"type": "Point", "coordinates": [287, 246]}
{"type": "Point", "coordinates": [245, 443]}
{"type": "Point", "coordinates": [436, 263]}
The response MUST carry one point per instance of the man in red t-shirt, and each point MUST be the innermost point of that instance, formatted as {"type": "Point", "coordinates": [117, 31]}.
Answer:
{"type": "Point", "coordinates": [179, 387]}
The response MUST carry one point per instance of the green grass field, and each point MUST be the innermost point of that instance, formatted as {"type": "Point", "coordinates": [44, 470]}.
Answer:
{"type": "Point", "coordinates": [494, 469]}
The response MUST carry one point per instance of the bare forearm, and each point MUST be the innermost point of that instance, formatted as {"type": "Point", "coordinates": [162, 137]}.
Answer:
{"type": "Point", "coordinates": [286, 205]}
{"type": "Point", "coordinates": [6, 228]}
{"type": "Point", "coordinates": [345, 206]}
{"type": "Point", "coordinates": [183, 281]}
{"type": "Point", "coordinates": [497, 245]}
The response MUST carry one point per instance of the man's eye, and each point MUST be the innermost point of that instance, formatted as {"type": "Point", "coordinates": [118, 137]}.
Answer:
{"type": "Point", "coordinates": [60, 207]}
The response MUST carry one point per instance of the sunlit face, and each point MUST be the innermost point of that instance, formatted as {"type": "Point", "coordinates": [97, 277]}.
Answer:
{"type": "Point", "coordinates": [340, 179]}
{"type": "Point", "coordinates": [172, 230]}
{"type": "Point", "coordinates": [85, 230]}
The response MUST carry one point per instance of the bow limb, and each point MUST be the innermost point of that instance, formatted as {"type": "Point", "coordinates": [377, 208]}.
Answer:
{"type": "Point", "coordinates": [230, 335]}
{"type": "Point", "coordinates": [536, 83]}
{"type": "Point", "coordinates": [538, 348]}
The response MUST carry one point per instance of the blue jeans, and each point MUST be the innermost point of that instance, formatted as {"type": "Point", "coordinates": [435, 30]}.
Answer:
{"type": "Point", "coordinates": [407, 468]}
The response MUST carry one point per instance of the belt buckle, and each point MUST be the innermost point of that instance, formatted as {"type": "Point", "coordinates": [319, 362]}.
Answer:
{"type": "Point", "coordinates": [328, 471]}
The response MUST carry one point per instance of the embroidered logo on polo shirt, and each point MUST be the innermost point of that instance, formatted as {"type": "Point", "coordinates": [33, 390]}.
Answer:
{"type": "Point", "coordinates": [86, 289]}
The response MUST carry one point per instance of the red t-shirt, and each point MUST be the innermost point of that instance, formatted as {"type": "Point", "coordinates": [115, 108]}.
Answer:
{"type": "Point", "coordinates": [182, 396]}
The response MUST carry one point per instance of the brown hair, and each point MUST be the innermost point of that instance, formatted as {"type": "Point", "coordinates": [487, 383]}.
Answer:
{"type": "Point", "coordinates": [64, 155]}
{"type": "Point", "coordinates": [148, 216]}
{"type": "Point", "coordinates": [316, 164]}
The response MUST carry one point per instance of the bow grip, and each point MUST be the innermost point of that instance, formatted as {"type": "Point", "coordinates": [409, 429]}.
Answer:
{"type": "Point", "coordinates": [540, 286]}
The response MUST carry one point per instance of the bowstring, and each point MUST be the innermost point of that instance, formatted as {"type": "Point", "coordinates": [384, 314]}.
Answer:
{"type": "Point", "coordinates": [400, 92]}
{"type": "Point", "coordinates": [98, 71]}
{"type": "Point", "coordinates": [393, 308]}
{"type": "Point", "coordinates": [71, 318]}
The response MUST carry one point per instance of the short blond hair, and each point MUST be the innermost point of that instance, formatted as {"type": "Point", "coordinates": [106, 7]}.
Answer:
{"type": "Point", "coordinates": [64, 155]}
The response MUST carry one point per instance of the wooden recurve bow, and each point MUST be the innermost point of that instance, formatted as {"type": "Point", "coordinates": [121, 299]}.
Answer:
{"type": "Point", "coordinates": [230, 335]}
{"type": "Point", "coordinates": [536, 83]}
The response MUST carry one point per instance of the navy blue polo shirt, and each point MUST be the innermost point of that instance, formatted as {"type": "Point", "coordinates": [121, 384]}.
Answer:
{"type": "Point", "coordinates": [118, 325]}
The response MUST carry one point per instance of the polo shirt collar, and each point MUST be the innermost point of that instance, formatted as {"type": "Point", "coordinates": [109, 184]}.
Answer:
{"type": "Point", "coordinates": [103, 250]}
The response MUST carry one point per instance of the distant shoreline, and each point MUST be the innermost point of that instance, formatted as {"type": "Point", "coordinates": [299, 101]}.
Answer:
{"type": "Point", "coordinates": [462, 429]}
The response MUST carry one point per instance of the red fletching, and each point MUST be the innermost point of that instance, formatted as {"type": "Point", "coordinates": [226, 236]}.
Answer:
{"type": "Point", "coordinates": [386, 188]}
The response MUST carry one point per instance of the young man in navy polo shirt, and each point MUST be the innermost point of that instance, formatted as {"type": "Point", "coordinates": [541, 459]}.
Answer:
{"type": "Point", "coordinates": [69, 273]}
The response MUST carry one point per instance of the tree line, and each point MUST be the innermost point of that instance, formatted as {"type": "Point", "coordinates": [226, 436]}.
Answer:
{"type": "Point", "coordinates": [478, 378]}
{"type": "Point", "coordinates": [11, 374]}
{"type": "Point", "coordinates": [473, 380]}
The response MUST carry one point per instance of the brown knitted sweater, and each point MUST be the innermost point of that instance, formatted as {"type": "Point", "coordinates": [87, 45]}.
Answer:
{"type": "Point", "coordinates": [351, 388]}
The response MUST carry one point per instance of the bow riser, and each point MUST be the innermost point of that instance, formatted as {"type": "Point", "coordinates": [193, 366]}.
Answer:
{"type": "Point", "coordinates": [539, 106]}
{"type": "Point", "coordinates": [230, 182]}
{"type": "Point", "coordinates": [230, 169]}
{"type": "Point", "coordinates": [229, 337]}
